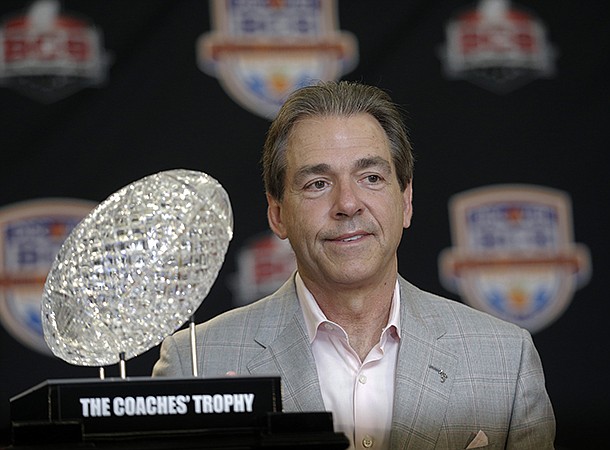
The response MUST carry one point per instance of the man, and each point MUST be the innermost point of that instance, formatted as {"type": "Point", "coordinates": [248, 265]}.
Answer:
{"type": "Point", "coordinates": [398, 367]}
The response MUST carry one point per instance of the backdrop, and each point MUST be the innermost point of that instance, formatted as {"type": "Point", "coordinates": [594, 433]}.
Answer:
{"type": "Point", "coordinates": [156, 110]}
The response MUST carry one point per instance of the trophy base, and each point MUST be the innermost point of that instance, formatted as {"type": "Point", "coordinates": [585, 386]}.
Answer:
{"type": "Point", "coordinates": [160, 413]}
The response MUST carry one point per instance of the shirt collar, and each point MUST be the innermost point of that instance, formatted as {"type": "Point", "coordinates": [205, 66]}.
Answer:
{"type": "Point", "coordinates": [314, 316]}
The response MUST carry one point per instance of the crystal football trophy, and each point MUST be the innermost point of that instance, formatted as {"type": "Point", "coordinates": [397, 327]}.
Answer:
{"type": "Point", "coordinates": [136, 268]}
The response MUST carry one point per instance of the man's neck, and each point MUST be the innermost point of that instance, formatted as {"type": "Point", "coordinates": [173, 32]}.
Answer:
{"type": "Point", "coordinates": [362, 313]}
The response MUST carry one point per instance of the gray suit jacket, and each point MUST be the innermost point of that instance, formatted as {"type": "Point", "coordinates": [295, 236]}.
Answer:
{"type": "Point", "coordinates": [494, 380]}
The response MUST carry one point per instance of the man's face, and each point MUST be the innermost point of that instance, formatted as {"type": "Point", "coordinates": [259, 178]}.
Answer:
{"type": "Point", "coordinates": [342, 211]}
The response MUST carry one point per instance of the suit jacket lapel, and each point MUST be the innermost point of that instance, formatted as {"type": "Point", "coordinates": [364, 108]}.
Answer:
{"type": "Point", "coordinates": [421, 390]}
{"type": "Point", "coordinates": [424, 374]}
{"type": "Point", "coordinates": [289, 354]}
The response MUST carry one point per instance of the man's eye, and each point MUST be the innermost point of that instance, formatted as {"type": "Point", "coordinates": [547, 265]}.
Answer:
{"type": "Point", "coordinates": [373, 178]}
{"type": "Point", "coordinates": [316, 185]}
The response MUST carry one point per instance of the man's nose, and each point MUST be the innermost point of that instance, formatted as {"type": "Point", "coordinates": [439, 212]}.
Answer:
{"type": "Point", "coordinates": [347, 202]}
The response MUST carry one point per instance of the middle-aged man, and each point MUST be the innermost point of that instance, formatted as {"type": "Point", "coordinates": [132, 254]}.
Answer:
{"type": "Point", "coordinates": [398, 367]}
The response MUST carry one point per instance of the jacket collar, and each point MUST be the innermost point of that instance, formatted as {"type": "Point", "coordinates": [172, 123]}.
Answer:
{"type": "Point", "coordinates": [287, 352]}
{"type": "Point", "coordinates": [424, 374]}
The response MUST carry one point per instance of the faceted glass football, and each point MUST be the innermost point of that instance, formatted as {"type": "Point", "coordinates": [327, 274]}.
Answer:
{"type": "Point", "coordinates": [136, 268]}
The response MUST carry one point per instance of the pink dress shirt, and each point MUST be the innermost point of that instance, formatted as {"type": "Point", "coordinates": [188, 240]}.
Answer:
{"type": "Point", "coordinates": [359, 393]}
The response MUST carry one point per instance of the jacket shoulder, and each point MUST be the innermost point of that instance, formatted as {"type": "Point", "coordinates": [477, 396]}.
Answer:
{"type": "Point", "coordinates": [245, 321]}
{"type": "Point", "coordinates": [452, 315]}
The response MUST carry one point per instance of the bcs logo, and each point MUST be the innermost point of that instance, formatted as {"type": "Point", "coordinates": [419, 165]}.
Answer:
{"type": "Point", "coordinates": [262, 50]}
{"type": "Point", "coordinates": [497, 47]}
{"type": "Point", "coordinates": [31, 234]}
{"type": "Point", "coordinates": [49, 56]}
{"type": "Point", "coordinates": [263, 265]}
{"type": "Point", "coordinates": [514, 255]}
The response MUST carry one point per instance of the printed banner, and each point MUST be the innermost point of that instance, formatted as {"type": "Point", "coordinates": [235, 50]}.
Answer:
{"type": "Point", "coordinates": [497, 46]}
{"type": "Point", "coordinates": [31, 234]}
{"type": "Point", "coordinates": [263, 265]}
{"type": "Point", "coordinates": [262, 50]}
{"type": "Point", "coordinates": [514, 255]}
{"type": "Point", "coordinates": [47, 55]}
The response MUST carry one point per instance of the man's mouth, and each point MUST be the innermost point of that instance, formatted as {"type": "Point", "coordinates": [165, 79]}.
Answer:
{"type": "Point", "coordinates": [352, 238]}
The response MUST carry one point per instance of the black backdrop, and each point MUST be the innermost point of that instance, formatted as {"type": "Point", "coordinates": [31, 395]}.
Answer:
{"type": "Point", "coordinates": [158, 111]}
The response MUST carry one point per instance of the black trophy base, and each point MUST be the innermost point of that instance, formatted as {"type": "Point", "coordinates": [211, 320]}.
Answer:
{"type": "Point", "coordinates": [165, 413]}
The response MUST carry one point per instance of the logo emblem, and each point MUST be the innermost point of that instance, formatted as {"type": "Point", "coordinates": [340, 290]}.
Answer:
{"type": "Point", "coordinates": [497, 47]}
{"type": "Point", "coordinates": [514, 255]}
{"type": "Point", "coordinates": [263, 265]}
{"type": "Point", "coordinates": [48, 56]}
{"type": "Point", "coordinates": [261, 51]}
{"type": "Point", "coordinates": [31, 234]}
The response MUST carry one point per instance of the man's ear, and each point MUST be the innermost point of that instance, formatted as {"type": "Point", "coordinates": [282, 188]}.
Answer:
{"type": "Point", "coordinates": [408, 205]}
{"type": "Point", "coordinates": [274, 216]}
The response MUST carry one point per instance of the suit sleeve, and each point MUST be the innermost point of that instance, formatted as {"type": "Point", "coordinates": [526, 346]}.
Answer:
{"type": "Point", "coordinates": [533, 421]}
{"type": "Point", "coordinates": [171, 363]}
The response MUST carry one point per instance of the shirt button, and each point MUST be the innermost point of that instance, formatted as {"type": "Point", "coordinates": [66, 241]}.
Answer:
{"type": "Point", "coordinates": [362, 379]}
{"type": "Point", "coordinates": [367, 442]}
{"type": "Point", "coordinates": [328, 326]}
